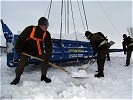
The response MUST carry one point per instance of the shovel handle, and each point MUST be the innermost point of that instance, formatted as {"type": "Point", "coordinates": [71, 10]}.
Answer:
{"type": "Point", "coordinates": [51, 64]}
{"type": "Point", "coordinates": [56, 66]}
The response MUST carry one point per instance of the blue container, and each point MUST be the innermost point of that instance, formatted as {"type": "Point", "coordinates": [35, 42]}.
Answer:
{"type": "Point", "coordinates": [63, 50]}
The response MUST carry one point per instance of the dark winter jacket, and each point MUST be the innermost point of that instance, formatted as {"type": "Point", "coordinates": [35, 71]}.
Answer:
{"type": "Point", "coordinates": [127, 44]}
{"type": "Point", "coordinates": [30, 46]}
{"type": "Point", "coordinates": [95, 40]}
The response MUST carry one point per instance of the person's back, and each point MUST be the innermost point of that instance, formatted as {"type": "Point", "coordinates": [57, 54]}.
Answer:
{"type": "Point", "coordinates": [127, 47]}
{"type": "Point", "coordinates": [127, 42]}
{"type": "Point", "coordinates": [99, 45]}
{"type": "Point", "coordinates": [98, 40]}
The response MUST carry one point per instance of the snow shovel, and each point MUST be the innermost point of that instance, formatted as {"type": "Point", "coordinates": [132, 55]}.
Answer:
{"type": "Point", "coordinates": [51, 64]}
{"type": "Point", "coordinates": [111, 43]}
{"type": "Point", "coordinates": [82, 74]}
{"type": "Point", "coordinates": [91, 61]}
{"type": "Point", "coordinates": [82, 71]}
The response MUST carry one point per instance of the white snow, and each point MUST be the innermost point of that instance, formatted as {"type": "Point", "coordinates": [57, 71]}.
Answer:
{"type": "Point", "coordinates": [117, 83]}
{"type": "Point", "coordinates": [2, 41]}
{"type": "Point", "coordinates": [79, 74]}
{"type": "Point", "coordinates": [117, 80]}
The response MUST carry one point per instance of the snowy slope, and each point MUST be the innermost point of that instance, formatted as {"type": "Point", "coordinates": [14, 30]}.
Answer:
{"type": "Point", "coordinates": [117, 83]}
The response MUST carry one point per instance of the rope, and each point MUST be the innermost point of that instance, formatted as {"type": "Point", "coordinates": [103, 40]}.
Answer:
{"type": "Point", "coordinates": [85, 15]}
{"type": "Point", "coordinates": [73, 20]}
{"type": "Point", "coordinates": [81, 15]}
{"type": "Point", "coordinates": [74, 28]}
{"type": "Point", "coordinates": [61, 19]}
{"type": "Point", "coordinates": [68, 16]}
{"type": "Point", "coordinates": [49, 9]}
{"type": "Point", "coordinates": [108, 18]}
{"type": "Point", "coordinates": [65, 15]}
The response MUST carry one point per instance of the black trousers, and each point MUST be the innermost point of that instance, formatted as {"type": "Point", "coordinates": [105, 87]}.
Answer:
{"type": "Point", "coordinates": [101, 56]}
{"type": "Point", "coordinates": [22, 63]}
{"type": "Point", "coordinates": [108, 56]}
{"type": "Point", "coordinates": [129, 53]}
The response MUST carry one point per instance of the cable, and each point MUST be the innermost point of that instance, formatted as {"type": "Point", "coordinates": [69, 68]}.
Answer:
{"type": "Point", "coordinates": [68, 16]}
{"type": "Point", "coordinates": [61, 19]}
{"type": "Point", "coordinates": [49, 9]}
{"type": "Point", "coordinates": [109, 18]}
{"type": "Point", "coordinates": [65, 15]}
{"type": "Point", "coordinates": [85, 15]}
{"type": "Point", "coordinates": [81, 15]}
{"type": "Point", "coordinates": [73, 20]}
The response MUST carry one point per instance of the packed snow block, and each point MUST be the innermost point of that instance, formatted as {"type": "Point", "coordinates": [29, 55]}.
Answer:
{"type": "Point", "coordinates": [63, 50]}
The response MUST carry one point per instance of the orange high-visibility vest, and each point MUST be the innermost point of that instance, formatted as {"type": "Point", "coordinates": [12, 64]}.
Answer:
{"type": "Point", "coordinates": [37, 39]}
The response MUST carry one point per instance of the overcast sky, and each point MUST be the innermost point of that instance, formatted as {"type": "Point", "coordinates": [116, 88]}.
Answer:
{"type": "Point", "coordinates": [110, 17]}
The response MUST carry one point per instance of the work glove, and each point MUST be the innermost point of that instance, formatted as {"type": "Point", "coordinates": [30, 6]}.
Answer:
{"type": "Point", "coordinates": [94, 53]}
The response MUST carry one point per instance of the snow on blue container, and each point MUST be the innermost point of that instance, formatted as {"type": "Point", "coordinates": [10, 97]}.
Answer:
{"type": "Point", "coordinates": [63, 50]}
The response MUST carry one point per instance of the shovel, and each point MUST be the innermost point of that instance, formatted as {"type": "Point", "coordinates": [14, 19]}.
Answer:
{"type": "Point", "coordinates": [59, 67]}
{"type": "Point", "coordinates": [91, 61]}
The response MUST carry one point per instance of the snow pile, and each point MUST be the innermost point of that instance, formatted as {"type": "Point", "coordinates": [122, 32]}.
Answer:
{"type": "Point", "coordinates": [80, 74]}
{"type": "Point", "coordinates": [117, 83]}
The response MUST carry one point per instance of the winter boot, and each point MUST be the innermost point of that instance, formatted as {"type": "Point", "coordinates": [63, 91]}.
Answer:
{"type": "Point", "coordinates": [15, 81]}
{"type": "Point", "coordinates": [99, 75]}
{"type": "Point", "coordinates": [44, 78]}
{"type": "Point", "coordinates": [127, 64]}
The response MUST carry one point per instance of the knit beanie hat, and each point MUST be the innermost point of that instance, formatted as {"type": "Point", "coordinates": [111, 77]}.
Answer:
{"type": "Point", "coordinates": [43, 21]}
{"type": "Point", "coordinates": [87, 33]}
{"type": "Point", "coordinates": [124, 35]}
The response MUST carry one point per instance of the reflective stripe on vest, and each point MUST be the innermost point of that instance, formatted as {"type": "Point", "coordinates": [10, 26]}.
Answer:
{"type": "Point", "coordinates": [37, 40]}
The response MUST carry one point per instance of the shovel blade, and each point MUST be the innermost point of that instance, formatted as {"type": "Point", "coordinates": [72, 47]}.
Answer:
{"type": "Point", "coordinates": [80, 74]}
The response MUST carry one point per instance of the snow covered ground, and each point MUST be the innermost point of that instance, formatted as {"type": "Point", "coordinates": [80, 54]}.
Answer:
{"type": "Point", "coordinates": [117, 83]}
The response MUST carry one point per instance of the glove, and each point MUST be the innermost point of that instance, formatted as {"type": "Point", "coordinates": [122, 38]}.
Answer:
{"type": "Point", "coordinates": [18, 50]}
{"type": "Point", "coordinates": [31, 48]}
{"type": "Point", "coordinates": [94, 53]}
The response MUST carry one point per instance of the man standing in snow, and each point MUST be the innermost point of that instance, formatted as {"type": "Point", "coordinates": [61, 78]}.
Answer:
{"type": "Point", "coordinates": [108, 55]}
{"type": "Point", "coordinates": [99, 44]}
{"type": "Point", "coordinates": [127, 47]}
{"type": "Point", "coordinates": [31, 41]}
